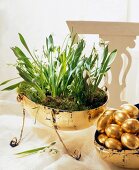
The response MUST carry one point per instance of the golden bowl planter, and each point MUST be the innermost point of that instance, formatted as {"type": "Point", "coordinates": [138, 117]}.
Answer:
{"type": "Point", "coordinates": [123, 158]}
{"type": "Point", "coordinates": [62, 120]}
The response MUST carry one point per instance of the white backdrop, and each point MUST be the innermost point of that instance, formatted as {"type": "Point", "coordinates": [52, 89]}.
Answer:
{"type": "Point", "coordinates": [36, 19]}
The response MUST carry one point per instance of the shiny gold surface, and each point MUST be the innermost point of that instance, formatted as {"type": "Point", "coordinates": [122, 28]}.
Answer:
{"type": "Point", "coordinates": [62, 120]}
{"type": "Point", "coordinates": [112, 143]}
{"type": "Point", "coordinates": [124, 158]}
{"type": "Point", "coordinates": [131, 126]}
{"type": "Point", "coordinates": [113, 131]}
{"type": "Point", "coordinates": [131, 110]}
{"type": "Point", "coordinates": [109, 111]}
{"type": "Point", "coordinates": [120, 116]}
{"type": "Point", "coordinates": [130, 141]}
{"type": "Point", "coordinates": [102, 138]}
{"type": "Point", "coordinates": [105, 120]}
{"type": "Point", "coordinates": [122, 145]}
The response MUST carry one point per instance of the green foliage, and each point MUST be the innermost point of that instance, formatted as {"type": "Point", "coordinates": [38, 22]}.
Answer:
{"type": "Point", "coordinates": [63, 72]}
{"type": "Point", "coordinates": [37, 150]}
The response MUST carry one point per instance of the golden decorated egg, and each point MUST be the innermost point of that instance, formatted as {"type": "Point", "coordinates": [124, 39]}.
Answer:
{"type": "Point", "coordinates": [120, 116]}
{"type": "Point", "coordinates": [113, 131]}
{"type": "Point", "coordinates": [109, 111]}
{"type": "Point", "coordinates": [104, 120]}
{"type": "Point", "coordinates": [112, 143]}
{"type": "Point", "coordinates": [130, 141]}
{"type": "Point", "coordinates": [102, 137]}
{"type": "Point", "coordinates": [131, 110]}
{"type": "Point", "coordinates": [131, 126]}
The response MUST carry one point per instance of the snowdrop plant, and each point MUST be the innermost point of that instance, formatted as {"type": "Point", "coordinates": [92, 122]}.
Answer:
{"type": "Point", "coordinates": [62, 74]}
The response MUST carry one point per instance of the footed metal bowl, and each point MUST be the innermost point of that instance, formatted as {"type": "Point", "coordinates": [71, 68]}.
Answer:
{"type": "Point", "coordinates": [123, 158]}
{"type": "Point", "coordinates": [62, 120]}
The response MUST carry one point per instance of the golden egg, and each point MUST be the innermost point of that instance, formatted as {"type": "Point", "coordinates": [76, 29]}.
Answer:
{"type": "Point", "coordinates": [112, 143]}
{"type": "Point", "coordinates": [130, 141]}
{"type": "Point", "coordinates": [104, 120]}
{"type": "Point", "coordinates": [113, 131]}
{"type": "Point", "coordinates": [102, 138]}
{"type": "Point", "coordinates": [109, 111]}
{"type": "Point", "coordinates": [131, 110]}
{"type": "Point", "coordinates": [131, 126]}
{"type": "Point", "coordinates": [120, 116]}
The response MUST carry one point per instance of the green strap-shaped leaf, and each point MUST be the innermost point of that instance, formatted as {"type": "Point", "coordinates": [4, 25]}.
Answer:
{"type": "Point", "coordinates": [109, 60]}
{"type": "Point", "coordinates": [21, 56]}
{"type": "Point", "coordinates": [47, 45]}
{"type": "Point", "coordinates": [112, 56]}
{"type": "Point", "coordinates": [14, 86]}
{"type": "Point", "coordinates": [105, 66]}
{"type": "Point", "coordinates": [7, 81]}
{"type": "Point", "coordinates": [24, 43]}
{"type": "Point", "coordinates": [24, 74]}
{"type": "Point", "coordinates": [28, 152]}
{"type": "Point", "coordinates": [33, 151]}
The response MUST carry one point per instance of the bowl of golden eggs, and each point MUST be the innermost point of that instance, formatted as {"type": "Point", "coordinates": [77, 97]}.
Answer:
{"type": "Point", "coordinates": [117, 136]}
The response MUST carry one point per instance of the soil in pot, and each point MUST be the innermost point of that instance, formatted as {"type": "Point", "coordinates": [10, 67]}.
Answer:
{"type": "Point", "coordinates": [96, 99]}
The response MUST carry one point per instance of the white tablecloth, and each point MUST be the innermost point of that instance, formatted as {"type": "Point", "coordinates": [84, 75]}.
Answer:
{"type": "Point", "coordinates": [36, 135]}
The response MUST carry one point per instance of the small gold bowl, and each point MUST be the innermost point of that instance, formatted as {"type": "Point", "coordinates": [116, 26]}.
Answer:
{"type": "Point", "coordinates": [124, 158]}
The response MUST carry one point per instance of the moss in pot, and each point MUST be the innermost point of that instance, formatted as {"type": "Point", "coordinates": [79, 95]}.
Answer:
{"type": "Point", "coordinates": [62, 83]}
